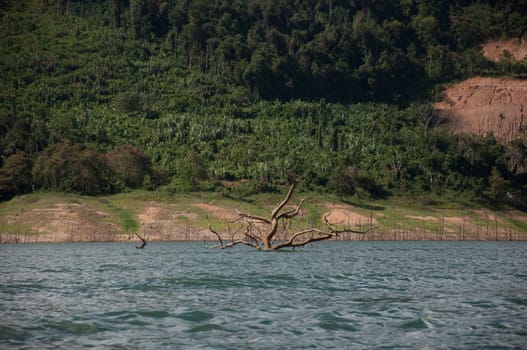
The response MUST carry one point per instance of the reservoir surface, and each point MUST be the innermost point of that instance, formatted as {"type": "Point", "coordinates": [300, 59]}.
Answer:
{"type": "Point", "coordinates": [331, 295]}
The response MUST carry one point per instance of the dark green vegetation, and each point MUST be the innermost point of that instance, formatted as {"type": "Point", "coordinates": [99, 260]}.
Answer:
{"type": "Point", "coordinates": [101, 97]}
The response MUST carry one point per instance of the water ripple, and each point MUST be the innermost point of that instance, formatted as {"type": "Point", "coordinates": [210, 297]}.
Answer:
{"type": "Point", "coordinates": [196, 316]}
{"type": "Point", "coordinates": [333, 295]}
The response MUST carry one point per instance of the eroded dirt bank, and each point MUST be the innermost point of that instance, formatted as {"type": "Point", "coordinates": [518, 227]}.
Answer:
{"type": "Point", "coordinates": [487, 105]}
{"type": "Point", "coordinates": [84, 222]}
{"type": "Point", "coordinates": [497, 50]}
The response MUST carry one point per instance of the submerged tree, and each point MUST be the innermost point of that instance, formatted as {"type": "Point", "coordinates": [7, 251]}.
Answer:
{"type": "Point", "coordinates": [266, 233]}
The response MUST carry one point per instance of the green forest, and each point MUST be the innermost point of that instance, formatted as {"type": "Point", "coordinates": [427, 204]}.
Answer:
{"type": "Point", "coordinates": [101, 97]}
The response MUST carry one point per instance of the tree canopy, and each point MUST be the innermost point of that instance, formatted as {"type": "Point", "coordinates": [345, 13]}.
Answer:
{"type": "Point", "coordinates": [101, 96]}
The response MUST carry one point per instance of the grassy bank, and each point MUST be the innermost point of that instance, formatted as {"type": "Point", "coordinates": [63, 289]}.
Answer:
{"type": "Point", "coordinates": [158, 216]}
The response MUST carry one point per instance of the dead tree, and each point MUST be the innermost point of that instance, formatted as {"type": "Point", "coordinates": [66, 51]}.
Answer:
{"type": "Point", "coordinates": [263, 233]}
{"type": "Point", "coordinates": [143, 242]}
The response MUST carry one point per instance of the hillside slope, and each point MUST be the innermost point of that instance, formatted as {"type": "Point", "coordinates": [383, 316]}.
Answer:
{"type": "Point", "coordinates": [487, 105]}
{"type": "Point", "coordinates": [101, 97]}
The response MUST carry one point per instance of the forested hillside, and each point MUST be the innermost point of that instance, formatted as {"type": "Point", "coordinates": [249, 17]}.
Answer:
{"type": "Point", "coordinates": [105, 96]}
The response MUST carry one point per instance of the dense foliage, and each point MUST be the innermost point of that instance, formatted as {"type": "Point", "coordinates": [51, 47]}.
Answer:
{"type": "Point", "coordinates": [103, 96]}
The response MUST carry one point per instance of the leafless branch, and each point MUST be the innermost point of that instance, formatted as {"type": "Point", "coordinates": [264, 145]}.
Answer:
{"type": "Point", "coordinates": [248, 217]}
{"type": "Point", "coordinates": [241, 241]}
{"type": "Point", "coordinates": [292, 242]}
{"type": "Point", "coordinates": [292, 213]}
{"type": "Point", "coordinates": [285, 200]}
{"type": "Point", "coordinates": [271, 234]}
{"type": "Point", "coordinates": [215, 233]}
{"type": "Point", "coordinates": [344, 230]}
{"type": "Point", "coordinates": [143, 244]}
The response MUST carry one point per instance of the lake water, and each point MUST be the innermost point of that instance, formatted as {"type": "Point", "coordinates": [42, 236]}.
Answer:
{"type": "Point", "coordinates": [332, 295]}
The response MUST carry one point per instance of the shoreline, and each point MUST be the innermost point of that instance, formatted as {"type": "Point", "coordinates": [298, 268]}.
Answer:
{"type": "Point", "coordinates": [204, 236]}
{"type": "Point", "coordinates": [54, 218]}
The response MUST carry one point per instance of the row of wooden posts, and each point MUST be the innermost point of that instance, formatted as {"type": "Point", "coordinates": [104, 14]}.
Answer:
{"type": "Point", "coordinates": [371, 232]}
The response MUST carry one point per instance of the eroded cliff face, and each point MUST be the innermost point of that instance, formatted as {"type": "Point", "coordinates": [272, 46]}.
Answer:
{"type": "Point", "coordinates": [487, 105]}
{"type": "Point", "coordinates": [483, 106]}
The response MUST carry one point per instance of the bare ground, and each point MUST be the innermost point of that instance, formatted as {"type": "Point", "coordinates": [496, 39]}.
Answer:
{"type": "Point", "coordinates": [347, 215]}
{"type": "Point", "coordinates": [60, 222]}
{"type": "Point", "coordinates": [497, 50]}
{"type": "Point", "coordinates": [159, 221]}
{"type": "Point", "coordinates": [487, 105]}
{"type": "Point", "coordinates": [483, 106]}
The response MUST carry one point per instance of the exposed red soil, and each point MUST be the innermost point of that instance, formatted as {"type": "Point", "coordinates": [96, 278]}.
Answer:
{"type": "Point", "coordinates": [483, 106]}
{"type": "Point", "coordinates": [62, 222]}
{"type": "Point", "coordinates": [346, 215]}
{"type": "Point", "coordinates": [487, 105]}
{"type": "Point", "coordinates": [497, 50]}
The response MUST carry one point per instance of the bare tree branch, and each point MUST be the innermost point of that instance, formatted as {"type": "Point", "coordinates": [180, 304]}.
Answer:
{"type": "Point", "coordinates": [253, 238]}
{"type": "Point", "coordinates": [292, 213]}
{"type": "Point", "coordinates": [346, 229]}
{"type": "Point", "coordinates": [249, 217]}
{"type": "Point", "coordinates": [291, 242]}
{"type": "Point", "coordinates": [285, 201]}
{"type": "Point", "coordinates": [142, 240]}
{"type": "Point", "coordinates": [304, 242]}
{"type": "Point", "coordinates": [234, 243]}
{"type": "Point", "coordinates": [253, 243]}
{"type": "Point", "coordinates": [215, 233]}
{"type": "Point", "coordinates": [268, 234]}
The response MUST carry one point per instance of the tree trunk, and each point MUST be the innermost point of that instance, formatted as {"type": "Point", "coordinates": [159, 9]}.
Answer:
{"type": "Point", "coordinates": [117, 8]}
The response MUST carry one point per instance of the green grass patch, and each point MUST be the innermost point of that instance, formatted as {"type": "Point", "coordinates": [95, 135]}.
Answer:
{"type": "Point", "coordinates": [126, 217]}
{"type": "Point", "coordinates": [16, 229]}
{"type": "Point", "coordinates": [518, 224]}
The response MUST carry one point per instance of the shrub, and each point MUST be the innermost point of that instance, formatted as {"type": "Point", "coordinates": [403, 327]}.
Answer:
{"type": "Point", "coordinates": [70, 167]}
{"type": "Point", "coordinates": [129, 165]}
{"type": "Point", "coordinates": [343, 181]}
{"type": "Point", "coordinates": [15, 175]}
{"type": "Point", "coordinates": [128, 102]}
